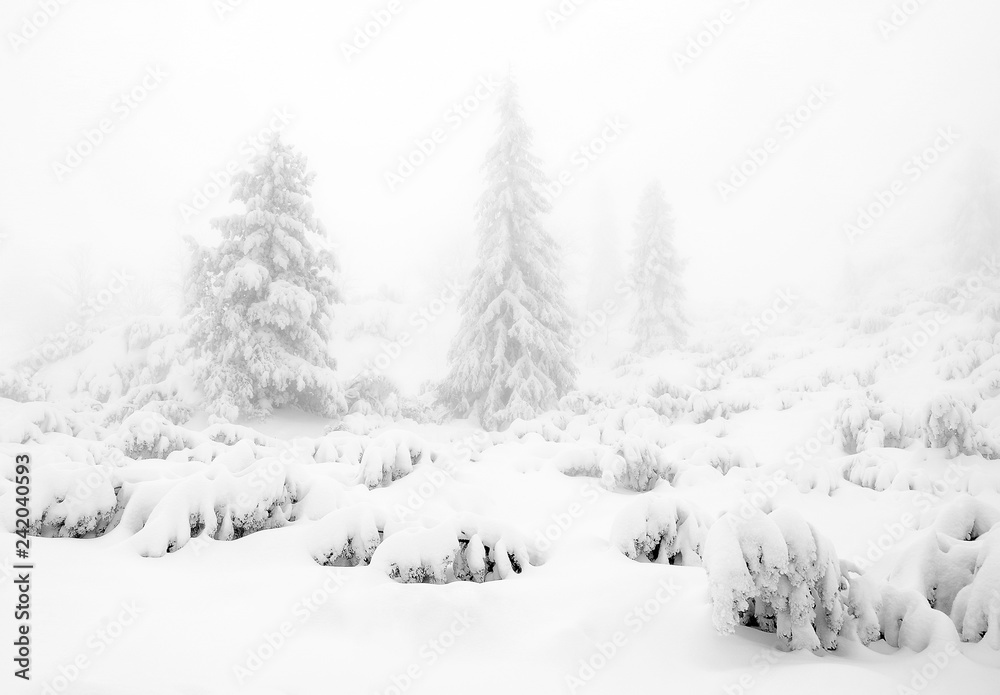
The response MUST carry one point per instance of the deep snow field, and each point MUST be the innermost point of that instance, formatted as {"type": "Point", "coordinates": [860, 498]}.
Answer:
{"type": "Point", "coordinates": [835, 474]}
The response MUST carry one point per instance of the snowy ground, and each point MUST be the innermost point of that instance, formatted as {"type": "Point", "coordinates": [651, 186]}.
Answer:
{"type": "Point", "coordinates": [209, 541]}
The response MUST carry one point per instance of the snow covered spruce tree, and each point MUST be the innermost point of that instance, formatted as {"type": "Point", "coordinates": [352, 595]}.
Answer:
{"type": "Point", "coordinates": [511, 357]}
{"type": "Point", "coordinates": [262, 301]}
{"type": "Point", "coordinates": [659, 321]}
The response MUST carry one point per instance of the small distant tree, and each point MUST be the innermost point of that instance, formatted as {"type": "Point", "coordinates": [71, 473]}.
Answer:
{"type": "Point", "coordinates": [262, 302]}
{"type": "Point", "coordinates": [511, 357]}
{"type": "Point", "coordinates": [659, 322]}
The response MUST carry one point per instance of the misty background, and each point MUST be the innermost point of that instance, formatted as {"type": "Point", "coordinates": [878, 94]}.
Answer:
{"type": "Point", "coordinates": [222, 71]}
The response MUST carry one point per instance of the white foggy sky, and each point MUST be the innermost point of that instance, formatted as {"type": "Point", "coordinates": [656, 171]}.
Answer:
{"type": "Point", "coordinates": [224, 78]}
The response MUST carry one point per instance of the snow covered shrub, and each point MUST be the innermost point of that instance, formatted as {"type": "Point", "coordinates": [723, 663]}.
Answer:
{"type": "Point", "coordinates": [214, 502]}
{"type": "Point", "coordinates": [488, 550]}
{"type": "Point", "coordinates": [73, 500]}
{"type": "Point", "coordinates": [660, 529]}
{"type": "Point", "coordinates": [704, 406]}
{"type": "Point", "coordinates": [264, 302]}
{"type": "Point", "coordinates": [959, 361]}
{"type": "Point", "coordinates": [867, 423]}
{"type": "Point", "coordinates": [592, 461]}
{"type": "Point", "coordinates": [576, 402]}
{"type": "Point", "coordinates": [16, 387]}
{"type": "Point", "coordinates": [950, 426]}
{"type": "Point", "coordinates": [345, 538]}
{"type": "Point", "coordinates": [874, 470]}
{"type": "Point", "coordinates": [906, 621]}
{"type": "Point", "coordinates": [146, 435]}
{"type": "Point", "coordinates": [954, 567]}
{"type": "Point", "coordinates": [631, 463]}
{"type": "Point", "coordinates": [391, 456]}
{"type": "Point", "coordinates": [372, 393]}
{"type": "Point", "coordinates": [723, 456]}
{"type": "Point", "coordinates": [776, 573]}
{"type": "Point", "coordinates": [465, 549]}
{"type": "Point", "coordinates": [873, 322]}
{"type": "Point", "coordinates": [638, 464]}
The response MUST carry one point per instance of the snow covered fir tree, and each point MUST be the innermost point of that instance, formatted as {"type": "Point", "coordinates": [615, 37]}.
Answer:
{"type": "Point", "coordinates": [262, 302]}
{"type": "Point", "coordinates": [659, 322]}
{"type": "Point", "coordinates": [511, 358]}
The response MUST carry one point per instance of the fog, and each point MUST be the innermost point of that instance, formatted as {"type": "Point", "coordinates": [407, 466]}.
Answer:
{"type": "Point", "coordinates": [868, 98]}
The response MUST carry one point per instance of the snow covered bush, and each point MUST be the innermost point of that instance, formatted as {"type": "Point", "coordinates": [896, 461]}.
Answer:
{"type": "Point", "coordinates": [372, 393]}
{"type": "Point", "coordinates": [662, 529]}
{"type": "Point", "coordinates": [16, 387]}
{"type": "Point", "coordinates": [866, 423]}
{"type": "Point", "coordinates": [468, 548]}
{"type": "Point", "coordinates": [512, 356]}
{"type": "Point", "coordinates": [876, 471]}
{"type": "Point", "coordinates": [226, 500]}
{"type": "Point", "coordinates": [264, 301]}
{"type": "Point", "coordinates": [391, 456]}
{"type": "Point", "coordinates": [147, 435]}
{"type": "Point", "coordinates": [704, 406]}
{"type": "Point", "coordinates": [775, 572]}
{"type": "Point", "coordinates": [631, 463]}
{"type": "Point", "coordinates": [950, 426]}
{"type": "Point", "coordinates": [345, 538]}
{"type": "Point", "coordinates": [723, 456]}
{"type": "Point", "coordinates": [73, 500]}
{"type": "Point", "coordinates": [954, 567]}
